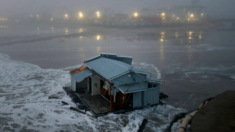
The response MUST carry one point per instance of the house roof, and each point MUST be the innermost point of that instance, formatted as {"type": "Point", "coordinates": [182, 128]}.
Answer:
{"type": "Point", "coordinates": [133, 87]}
{"type": "Point", "coordinates": [110, 68]}
{"type": "Point", "coordinates": [82, 74]}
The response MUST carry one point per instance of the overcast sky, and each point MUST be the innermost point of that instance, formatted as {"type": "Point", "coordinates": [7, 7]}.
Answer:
{"type": "Point", "coordinates": [216, 8]}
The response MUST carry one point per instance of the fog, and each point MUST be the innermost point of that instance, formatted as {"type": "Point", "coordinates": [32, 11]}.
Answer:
{"type": "Point", "coordinates": [215, 8]}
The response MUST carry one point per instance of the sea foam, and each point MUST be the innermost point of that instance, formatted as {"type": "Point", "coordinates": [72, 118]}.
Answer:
{"type": "Point", "coordinates": [24, 104]}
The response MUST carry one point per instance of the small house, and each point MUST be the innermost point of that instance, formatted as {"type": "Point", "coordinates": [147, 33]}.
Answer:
{"type": "Point", "coordinates": [109, 83]}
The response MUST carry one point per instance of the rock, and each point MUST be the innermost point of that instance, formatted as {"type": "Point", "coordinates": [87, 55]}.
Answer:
{"type": "Point", "coordinates": [142, 126]}
{"type": "Point", "coordinates": [54, 96]}
{"type": "Point", "coordinates": [65, 103]}
{"type": "Point", "coordinates": [15, 125]}
{"type": "Point", "coordinates": [8, 129]}
{"type": "Point", "coordinates": [217, 116]}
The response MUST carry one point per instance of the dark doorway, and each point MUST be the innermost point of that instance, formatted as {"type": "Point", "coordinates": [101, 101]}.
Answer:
{"type": "Point", "coordinates": [89, 82]}
{"type": "Point", "coordinates": [101, 85]}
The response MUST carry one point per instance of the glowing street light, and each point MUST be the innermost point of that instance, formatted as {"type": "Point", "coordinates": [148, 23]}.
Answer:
{"type": "Point", "coordinates": [98, 37]}
{"type": "Point", "coordinates": [52, 19]}
{"type": "Point", "coordinates": [98, 14]}
{"type": "Point", "coordinates": [80, 14]}
{"type": "Point", "coordinates": [202, 14]}
{"type": "Point", "coordinates": [163, 14]}
{"type": "Point", "coordinates": [66, 15]}
{"type": "Point", "coordinates": [192, 15]}
{"type": "Point", "coordinates": [136, 14]}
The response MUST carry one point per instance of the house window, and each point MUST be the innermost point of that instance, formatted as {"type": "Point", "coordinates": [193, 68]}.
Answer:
{"type": "Point", "coordinates": [155, 85]}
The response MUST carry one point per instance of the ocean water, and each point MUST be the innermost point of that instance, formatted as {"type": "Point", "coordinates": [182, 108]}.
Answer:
{"type": "Point", "coordinates": [24, 91]}
{"type": "Point", "coordinates": [195, 64]}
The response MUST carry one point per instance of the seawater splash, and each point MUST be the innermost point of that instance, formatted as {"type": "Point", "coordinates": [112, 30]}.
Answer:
{"type": "Point", "coordinates": [72, 67]}
{"type": "Point", "coordinates": [151, 68]}
{"type": "Point", "coordinates": [24, 104]}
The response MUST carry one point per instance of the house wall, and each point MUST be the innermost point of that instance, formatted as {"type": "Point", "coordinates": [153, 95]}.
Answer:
{"type": "Point", "coordinates": [95, 85]}
{"type": "Point", "coordinates": [151, 96]}
{"type": "Point", "coordinates": [147, 97]}
{"type": "Point", "coordinates": [73, 84]}
{"type": "Point", "coordinates": [137, 99]}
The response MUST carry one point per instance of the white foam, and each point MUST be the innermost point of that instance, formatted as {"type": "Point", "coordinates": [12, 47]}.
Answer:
{"type": "Point", "coordinates": [233, 76]}
{"type": "Point", "coordinates": [72, 67]}
{"type": "Point", "coordinates": [151, 68]}
{"type": "Point", "coordinates": [26, 103]}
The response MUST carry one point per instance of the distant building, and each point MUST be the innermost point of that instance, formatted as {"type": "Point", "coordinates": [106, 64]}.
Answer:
{"type": "Point", "coordinates": [189, 13]}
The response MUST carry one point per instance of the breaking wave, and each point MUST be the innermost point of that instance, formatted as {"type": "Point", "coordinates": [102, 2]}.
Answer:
{"type": "Point", "coordinates": [150, 68]}
{"type": "Point", "coordinates": [24, 104]}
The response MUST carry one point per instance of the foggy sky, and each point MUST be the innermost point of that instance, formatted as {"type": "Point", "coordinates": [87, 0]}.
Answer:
{"type": "Point", "coordinates": [215, 8]}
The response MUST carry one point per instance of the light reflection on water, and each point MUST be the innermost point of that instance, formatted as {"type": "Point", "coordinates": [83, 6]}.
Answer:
{"type": "Point", "coordinates": [98, 37]}
{"type": "Point", "coordinates": [189, 51]}
{"type": "Point", "coordinates": [3, 26]}
{"type": "Point", "coordinates": [162, 52]}
{"type": "Point", "coordinates": [66, 31]}
{"type": "Point", "coordinates": [80, 30]}
{"type": "Point", "coordinates": [98, 50]}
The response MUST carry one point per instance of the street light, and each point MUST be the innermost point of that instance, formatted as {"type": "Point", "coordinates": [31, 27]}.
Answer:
{"type": "Point", "coordinates": [66, 15]}
{"type": "Point", "coordinates": [98, 14]}
{"type": "Point", "coordinates": [52, 19]}
{"type": "Point", "coordinates": [80, 14]}
{"type": "Point", "coordinates": [136, 14]}
{"type": "Point", "coordinates": [98, 37]}
{"type": "Point", "coordinates": [163, 14]}
{"type": "Point", "coordinates": [192, 15]}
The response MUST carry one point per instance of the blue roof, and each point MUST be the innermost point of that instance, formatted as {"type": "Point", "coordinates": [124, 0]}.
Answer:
{"type": "Point", "coordinates": [79, 76]}
{"type": "Point", "coordinates": [110, 68]}
{"type": "Point", "coordinates": [133, 87]}
{"type": "Point", "coordinates": [152, 79]}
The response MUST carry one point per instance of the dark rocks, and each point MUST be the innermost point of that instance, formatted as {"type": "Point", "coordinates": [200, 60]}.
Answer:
{"type": "Point", "coordinates": [163, 96]}
{"type": "Point", "coordinates": [217, 116]}
{"type": "Point", "coordinates": [54, 96]}
{"type": "Point", "coordinates": [15, 125]}
{"type": "Point", "coordinates": [65, 103]}
{"type": "Point", "coordinates": [142, 126]}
